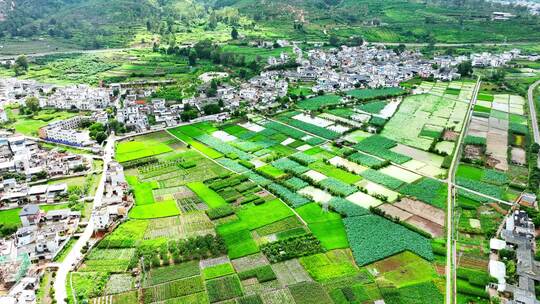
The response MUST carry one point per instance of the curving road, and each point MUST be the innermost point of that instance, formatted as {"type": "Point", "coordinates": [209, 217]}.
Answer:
{"type": "Point", "coordinates": [75, 254]}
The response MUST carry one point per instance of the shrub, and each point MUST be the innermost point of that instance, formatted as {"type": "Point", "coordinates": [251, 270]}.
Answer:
{"type": "Point", "coordinates": [219, 212]}
{"type": "Point", "coordinates": [475, 140]}
{"type": "Point", "coordinates": [223, 288]}
{"type": "Point", "coordinates": [292, 248]}
{"type": "Point", "coordinates": [263, 274]}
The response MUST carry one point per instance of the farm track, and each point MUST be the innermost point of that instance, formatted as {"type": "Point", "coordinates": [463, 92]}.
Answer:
{"type": "Point", "coordinates": [532, 111]}
{"type": "Point", "coordinates": [451, 256]}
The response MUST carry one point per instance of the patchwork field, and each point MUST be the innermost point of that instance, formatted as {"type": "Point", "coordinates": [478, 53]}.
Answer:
{"type": "Point", "coordinates": [273, 210]}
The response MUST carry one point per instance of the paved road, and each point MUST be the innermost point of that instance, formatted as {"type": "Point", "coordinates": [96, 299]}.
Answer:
{"type": "Point", "coordinates": [532, 110]}
{"type": "Point", "coordinates": [450, 244]}
{"type": "Point", "coordinates": [75, 254]}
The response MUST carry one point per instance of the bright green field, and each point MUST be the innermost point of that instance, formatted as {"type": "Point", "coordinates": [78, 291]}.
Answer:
{"type": "Point", "coordinates": [318, 102]}
{"type": "Point", "coordinates": [30, 125]}
{"type": "Point", "coordinates": [470, 172]}
{"type": "Point", "coordinates": [237, 234]}
{"type": "Point", "coordinates": [325, 225]}
{"type": "Point", "coordinates": [335, 172]}
{"type": "Point", "coordinates": [178, 133]}
{"type": "Point", "coordinates": [142, 191]}
{"type": "Point", "coordinates": [209, 196]}
{"type": "Point", "coordinates": [156, 210]}
{"type": "Point", "coordinates": [330, 265]}
{"type": "Point", "coordinates": [143, 146]}
{"type": "Point", "coordinates": [11, 216]}
{"type": "Point", "coordinates": [271, 171]}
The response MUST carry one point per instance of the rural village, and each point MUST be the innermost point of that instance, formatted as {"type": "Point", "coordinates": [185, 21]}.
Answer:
{"type": "Point", "coordinates": [275, 194]}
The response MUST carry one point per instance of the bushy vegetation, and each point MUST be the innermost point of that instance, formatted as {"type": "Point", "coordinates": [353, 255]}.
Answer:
{"type": "Point", "coordinates": [366, 94]}
{"type": "Point", "coordinates": [366, 160]}
{"type": "Point", "coordinates": [223, 288]}
{"type": "Point", "coordinates": [382, 179]}
{"type": "Point", "coordinates": [262, 273]}
{"type": "Point", "coordinates": [346, 208]}
{"type": "Point", "coordinates": [380, 146]}
{"type": "Point", "coordinates": [373, 238]}
{"type": "Point", "coordinates": [291, 198]}
{"type": "Point", "coordinates": [312, 129]}
{"type": "Point", "coordinates": [337, 187]}
{"type": "Point", "coordinates": [319, 102]}
{"type": "Point", "coordinates": [291, 248]}
{"type": "Point", "coordinates": [427, 190]}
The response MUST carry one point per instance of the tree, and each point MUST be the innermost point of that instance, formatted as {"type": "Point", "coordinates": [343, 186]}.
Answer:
{"type": "Point", "coordinates": [101, 137]}
{"type": "Point", "coordinates": [192, 57]}
{"type": "Point", "coordinates": [212, 20]}
{"type": "Point", "coordinates": [189, 113]}
{"type": "Point", "coordinates": [211, 109]}
{"type": "Point", "coordinates": [234, 33]}
{"type": "Point", "coordinates": [333, 40]}
{"type": "Point", "coordinates": [212, 90]}
{"type": "Point", "coordinates": [32, 103]}
{"type": "Point", "coordinates": [465, 68]}
{"type": "Point", "coordinates": [21, 65]}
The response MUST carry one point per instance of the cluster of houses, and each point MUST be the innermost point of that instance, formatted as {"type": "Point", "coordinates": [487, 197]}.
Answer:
{"type": "Point", "coordinates": [532, 6]}
{"type": "Point", "coordinates": [347, 68]}
{"type": "Point", "coordinates": [41, 237]}
{"type": "Point", "coordinates": [116, 200]}
{"type": "Point", "coordinates": [14, 194]}
{"type": "Point", "coordinates": [518, 235]}
{"type": "Point", "coordinates": [22, 156]}
{"type": "Point", "coordinates": [81, 97]}
{"type": "Point", "coordinates": [67, 132]}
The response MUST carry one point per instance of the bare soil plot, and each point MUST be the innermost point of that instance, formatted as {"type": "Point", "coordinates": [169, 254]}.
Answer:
{"type": "Point", "coordinates": [314, 175]}
{"type": "Point", "coordinates": [419, 155]}
{"type": "Point", "coordinates": [376, 189]}
{"type": "Point", "coordinates": [317, 195]}
{"type": "Point", "coordinates": [395, 212]}
{"type": "Point", "coordinates": [400, 174]}
{"type": "Point", "coordinates": [290, 272]}
{"type": "Point", "coordinates": [519, 156]}
{"type": "Point", "coordinates": [421, 209]}
{"type": "Point", "coordinates": [497, 143]}
{"type": "Point", "coordinates": [479, 126]}
{"type": "Point", "coordinates": [428, 226]}
{"type": "Point", "coordinates": [213, 262]}
{"type": "Point", "coordinates": [473, 152]}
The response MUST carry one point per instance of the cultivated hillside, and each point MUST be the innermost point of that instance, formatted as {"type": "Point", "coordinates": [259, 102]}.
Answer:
{"type": "Point", "coordinates": [115, 23]}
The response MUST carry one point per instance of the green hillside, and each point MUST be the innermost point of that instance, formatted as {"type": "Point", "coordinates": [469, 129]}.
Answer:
{"type": "Point", "coordinates": [92, 24]}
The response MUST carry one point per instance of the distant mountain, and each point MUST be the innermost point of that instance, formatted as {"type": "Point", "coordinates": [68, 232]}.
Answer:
{"type": "Point", "coordinates": [115, 23]}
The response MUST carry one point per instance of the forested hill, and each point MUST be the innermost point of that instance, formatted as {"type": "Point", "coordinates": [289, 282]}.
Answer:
{"type": "Point", "coordinates": [116, 23]}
